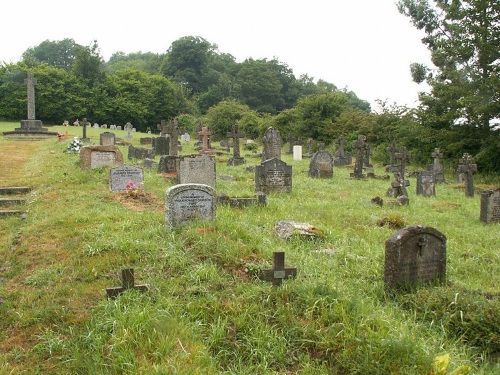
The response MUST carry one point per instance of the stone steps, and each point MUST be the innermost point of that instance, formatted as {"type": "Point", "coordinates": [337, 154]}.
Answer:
{"type": "Point", "coordinates": [14, 201]}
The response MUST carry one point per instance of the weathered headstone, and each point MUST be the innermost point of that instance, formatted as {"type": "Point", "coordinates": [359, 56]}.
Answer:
{"type": "Point", "coordinates": [84, 124]}
{"type": "Point", "coordinates": [140, 153]}
{"type": "Point", "coordinates": [465, 172]}
{"type": "Point", "coordinates": [297, 152]}
{"type": "Point", "coordinates": [321, 165]}
{"type": "Point", "coordinates": [271, 143]}
{"type": "Point", "coordinates": [107, 139]}
{"type": "Point", "coordinates": [196, 169]}
{"type": "Point", "coordinates": [291, 140]}
{"type": "Point", "coordinates": [392, 167]}
{"type": "Point", "coordinates": [279, 272]}
{"type": "Point", "coordinates": [415, 255]}
{"type": "Point", "coordinates": [490, 206]}
{"type": "Point", "coordinates": [162, 145]}
{"type": "Point", "coordinates": [120, 176]}
{"type": "Point", "coordinates": [146, 141]}
{"type": "Point", "coordinates": [273, 175]}
{"type": "Point", "coordinates": [172, 129]}
{"type": "Point", "coordinates": [162, 127]}
{"type": "Point", "coordinates": [235, 134]}
{"type": "Point", "coordinates": [128, 282]}
{"type": "Point", "coordinates": [398, 187]}
{"type": "Point", "coordinates": [425, 184]}
{"type": "Point", "coordinates": [436, 167]}
{"type": "Point", "coordinates": [100, 156]}
{"type": "Point", "coordinates": [185, 137]}
{"type": "Point", "coordinates": [362, 147]}
{"type": "Point", "coordinates": [128, 127]}
{"type": "Point", "coordinates": [187, 202]}
{"type": "Point", "coordinates": [168, 164]}
{"type": "Point", "coordinates": [205, 134]}
{"type": "Point", "coordinates": [342, 157]}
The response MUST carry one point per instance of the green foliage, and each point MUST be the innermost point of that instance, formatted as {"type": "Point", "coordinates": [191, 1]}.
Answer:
{"type": "Point", "coordinates": [224, 115]}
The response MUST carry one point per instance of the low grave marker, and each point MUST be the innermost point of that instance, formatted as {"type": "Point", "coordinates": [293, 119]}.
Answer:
{"type": "Point", "coordinates": [128, 282]}
{"type": "Point", "coordinates": [490, 206]}
{"type": "Point", "coordinates": [279, 272]}
{"type": "Point", "coordinates": [321, 165]}
{"type": "Point", "coordinates": [99, 156]}
{"type": "Point", "coordinates": [187, 202]}
{"type": "Point", "coordinates": [120, 176]}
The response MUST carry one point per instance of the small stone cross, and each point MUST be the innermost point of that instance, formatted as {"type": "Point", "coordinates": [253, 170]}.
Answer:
{"type": "Point", "coordinates": [128, 282]}
{"type": "Point", "coordinates": [205, 133]}
{"type": "Point", "coordinates": [84, 133]}
{"type": "Point", "coordinates": [278, 272]}
{"type": "Point", "coordinates": [362, 147]}
{"type": "Point", "coordinates": [172, 129]}
{"type": "Point", "coordinates": [437, 154]}
{"type": "Point", "coordinates": [392, 149]}
{"type": "Point", "coordinates": [467, 167]}
{"type": "Point", "coordinates": [236, 135]}
{"type": "Point", "coordinates": [31, 83]}
{"type": "Point", "coordinates": [341, 142]}
{"type": "Point", "coordinates": [162, 127]}
{"type": "Point", "coordinates": [403, 157]}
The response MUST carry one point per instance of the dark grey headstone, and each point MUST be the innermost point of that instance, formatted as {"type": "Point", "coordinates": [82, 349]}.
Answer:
{"type": "Point", "coordinates": [425, 184]}
{"type": "Point", "coordinates": [490, 206]}
{"type": "Point", "coordinates": [167, 164]}
{"type": "Point", "coordinates": [321, 165]}
{"type": "Point", "coordinates": [140, 153]}
{"type": "Point", "coordinates": [162, 145]}
{"type": "Point", "coordinates": [272, 144]}
{"type": "Point", "coordinates": [187, 202]}
{"type": "Point", "coordinates": [120, 176]}
{"type": "Point", "coordinates": [273, 175]}
{"type": "Point", "coordinates": [413, 256]}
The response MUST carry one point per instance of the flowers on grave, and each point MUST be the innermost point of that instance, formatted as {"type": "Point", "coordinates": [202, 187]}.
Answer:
{"type": "Point", "coordinates": [75, 145]}
{"type": "Point", "coordinates": [133, 190]}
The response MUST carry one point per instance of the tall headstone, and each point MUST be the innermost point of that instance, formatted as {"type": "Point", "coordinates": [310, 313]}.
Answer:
{"type": "Point", "coordinates": [426, 184]}
{"type": "Point", "coordinates": [490, 206]}
{"type": "Point", "coordinates": [392, 167]}
{"type": "Point", "coordinates": [271, 143]}
{"type": "Point", "coordinates": [84, 124]}
{"type": "Point", "coordinates": [436, 167]}
{"type": "Point", "coordinates": [196, 169]}
{"type": "Point", "coordinates": [342, 157]}
{"type": "Point", "coordinates": [415, 255]}
{"type": "Point", "coordinates": [107, 139]}
{"type": "Point", "coordinates": [361, 148]}
{"type": "Point", "coordinates": [173, 131]}
{"type": "Point", "coordinates": [128, 128]}
{"type": "Point", "coordinates": [465, 171]}
{"type": "Point", "coordinates": [235, 134]}
{"type": "Point", "coordinates": [185, 203]}
{"type": "Point", "coordinates": [162, 145]}
{"type": "Point", "coordinates": [273, 175]}
{"type": "Point", "coordinates": [122, 175]}
{"type": "Point", "coordinates": [321, 165]}
{"type": "Point", "coordinates": [205, 134]}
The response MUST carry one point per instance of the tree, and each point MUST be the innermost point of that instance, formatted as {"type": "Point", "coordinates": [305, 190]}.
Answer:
{"type": "Point", "coordinates": [88, 64]}
{"type": "Point", "coordinates": [147, 62]}
{"type": "Point", "coordinates": [464, 40]}
{"type": "Point", "coordinates": [59, 54]}
{"type": "Point", "coordinates": [224, 115]}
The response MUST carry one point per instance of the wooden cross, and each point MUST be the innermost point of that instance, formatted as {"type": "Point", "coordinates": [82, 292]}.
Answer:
{"type": "Point", "coordinates": [278, 272]}
{"type": "Point", "coordinates": [128, 282]}
{"type": "Point", "coordinates": [205, 133]}
{"type": "Point", "coordinates": [31, 83]}
{"type": "Point", "coordinates": [236, 135]}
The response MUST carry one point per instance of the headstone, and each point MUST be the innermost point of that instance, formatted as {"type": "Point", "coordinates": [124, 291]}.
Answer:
{"type": "Point", "coordinates": [398, 187]}
{"type": "Point", "coordinates": [168, 164]}
{"type": "Point", "coordinates": [205, 134]}
{"type": "Point", "coordinates": [235, 134]}
{"type": "Point", "coordinates": [279, 272]}
{"type": "Point", "coordinates": [362, 147]}
{"type": "Point", "coordinates": [415, 255]}
{"type": "Point", "coordinates": [185, 137]}
{"type": "Point", "coordinates": [321, 165]}
{"type": "Point", "coordinates": [297, 152]}
{"type": "Point", "coordinates": [309, 153]}
{"type": "Point", "coordinates": [140, 153]}
{"type": "Point", "coordinates": [96, 125]}
{"type": "Point", "coordinates": [149, 163]}
{"type": "Point", "coordinates": [196, 169]}
{"type": "Point", "coordinates": [162, 145]}
{"type": "Point", "coordinates": [146, 141]}
{"type": "Point", "coordinates": [392, 167]}
{"type": "Point", "coordinates": [172, 130]}
{"type": "Point", "coordinates": [402, 158]}
{"type": "Point", "coordinates": [273, 175]}
{"type": "Point", "coordinates": [120, 176]}
{"type": "Point", "coordinates": [118, 127]}
{"type": "Point", "coordinates": [107, 139]}
{"type": "Point", "coordinates": [490, 206]}
{"type": "Point", "coordinates": [128, 128]}
{"type": "Point", "coordinates": [272, 144]}
{"type": "Point", "coordinates": [465, 171]}
{"type": "Point", "coordinates": [112, 127]}
{"type": "Point", "coordinates": [290, 143]}
{"type": "Point", "coordinates": [100, 156]}
{"type": "Point", "coordinates": [104, 126]}
{"type": "Point", "coordinates": [84, 124]}
{"type": "Point", "coordinates": [187, 202]}
{"type": "Point", "coordinates": [436, 167]}
{"type": "Point", "coordinates": [342, 157]}
{"type": "Point", "coordinates": [425, 184]}
{"type": "Point", "coordinates": [128, 282]}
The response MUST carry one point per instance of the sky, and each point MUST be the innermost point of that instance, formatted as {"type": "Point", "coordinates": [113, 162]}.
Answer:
{"type": "Point", "coordinates": [365, 46]}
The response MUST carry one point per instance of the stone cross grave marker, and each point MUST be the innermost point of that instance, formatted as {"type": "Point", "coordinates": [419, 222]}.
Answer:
{"type": "Point", "coordinates": [415, 255]}
{"type": "Point", "coordinates": [342, 157]}
{"type": "Point", "coordinates": [403, 157]}
{"type": "Point", "coordinates": [310, 152]}
{"type": "Point", "coordinates": [465, 169]}
{"type": "Point", "coordinates": [84, 124]}
{"type": "Point", "coordinates": [361, 146]}
{"type": "Point", "coordinates": [205, 133]}
{"type": "Point", "coordinates": [490, 206]}
{"type": "Point", "coordinates": [392, 167]}
{"type": "Point", "coordinates": [279, 272]}
{"type": "Point", "coordinates": [425, 184]}
{"type": "Point", "coordinates": [120, 176]}
{"type": "Point", "coordinates": [291, 140]}
{"type": "Point", "coordinates": [187, 202]}
{"type": "Point", "coordinates": [235, 134]}
{"type": "Point", "coordinates": [273, 175]}
{"type": "Point", "coordinates": [128, 127]}
{"type": "Point", "coordinates": [31, 82]}
{"type": "Point", "coordinates": [436, 167]}
{"type": "Point", "coordinates": [172, 129]}
{"type": "Point", "coordinates": [271, 143]}
{"type": "Point", "coordinates": [321, 165]}
{"type": "Point", "coordinates": [128, 282]}
{"type": "Point", "coordinates": [162, 127]}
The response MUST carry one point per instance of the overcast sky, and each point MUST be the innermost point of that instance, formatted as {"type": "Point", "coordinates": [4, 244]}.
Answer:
{"type": "Point", "coordinates": [363, 45]}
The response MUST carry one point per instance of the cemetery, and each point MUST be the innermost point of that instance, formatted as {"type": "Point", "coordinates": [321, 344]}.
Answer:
{"type": "Point", "coordinates": [107, 266]}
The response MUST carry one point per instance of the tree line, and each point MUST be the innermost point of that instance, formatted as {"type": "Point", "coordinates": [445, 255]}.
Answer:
{"type": "Point", "coordinates": [196, 82]}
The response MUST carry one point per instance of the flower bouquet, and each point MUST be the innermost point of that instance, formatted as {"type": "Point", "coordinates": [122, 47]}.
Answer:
{"type": "Point", "coordinates": [75, 145]}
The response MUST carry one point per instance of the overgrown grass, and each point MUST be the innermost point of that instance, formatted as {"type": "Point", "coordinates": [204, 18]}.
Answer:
{"type": "Point", "coordinates": [205, 311]}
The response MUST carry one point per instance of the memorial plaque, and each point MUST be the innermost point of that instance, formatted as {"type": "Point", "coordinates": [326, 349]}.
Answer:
{"type": "Point", "coordinates": [415, 255]}
{"type": "Point", "coordinates": [187, 202]}
{"type": "Point", "coordinates": [490, 206]}
{"type": "Point", "coordinates": [120, 176]}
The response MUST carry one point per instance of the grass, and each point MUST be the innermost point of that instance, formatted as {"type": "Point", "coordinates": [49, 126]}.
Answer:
{"type": "Point", "coordinates": [205, 312]}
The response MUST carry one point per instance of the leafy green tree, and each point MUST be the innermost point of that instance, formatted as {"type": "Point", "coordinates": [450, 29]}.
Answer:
{"type": "Point", "coordinates": [147, 62]}
{"type": "Point", "coordinates": [221, 118]}
{"type": "Point", "coordinates": [59, 54]}
{"type": "Point", "coordinates": [464, 40]}
{"type": "Point", "coordinates": [88, 64]}
{"type": "Point", "coordinates": [13, 102]}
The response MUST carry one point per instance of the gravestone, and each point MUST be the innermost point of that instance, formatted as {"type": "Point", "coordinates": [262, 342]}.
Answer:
{"type": "Point", "coordinates": [436, 167]}
{"type": "Point", "coordinates": [402, 158]}
{"type": "Point", "coordinates": [162, 145]}
{"type": "Point", "coordinates": [342, 157]}
{"type": "Point", "coordinates": [30, 127]}
{"type": "Point", "coordinates": [162, 127]}
{"type": "Point", "coordinates": [490, 206]}
{"type": "Point", "coordinates": [362, 147]}
{"type": "Point", "coordinates": [196, 169]}
{"type": "Point", "coordinates": [168, 164]}
{"type": "Point", "coordinates": [310, 152]}
{"type": "Point", "coordinates": [146, 140]}
{"type": "Point", "coordinates": [128, 282]}
{"type": "Point", "coordinates": [140, 153]}
{"type": "Point", "coordinates": [297, 152]}
{"type": "Point", "coordinates": [465, 172]}
{"type": "Point", "coordinates": [271, 143]}
{"type": "Point", "coordinates": [119, 127]}
{"type": "Point", "coordinates": [99, 156]}
{"type": "Point", "coordinates": [128, 128]}
{"type": "Point", "coordinates": [273, 175]}
{"type": "Point", "coordinates": [279, 272]}
{"type": "Point", "coordinates": [235, 134]}
{"type": "Point", "coordinates": [187, 202]}
{"type": "Point", "coordinates": [107, 139]}
{"type": "Point", "coordinates": [120, 176]}
{"type": "Point", "coordinates": [392, 167]}
{"type": "Point", "coordinates": [84, 124]}
{"type": "Point", "coordinates": [172, 129]}
{"type": "Point", "coordinates": [415, 255]}
{"type": "Point", "coordinates": [321, 165]}
{"type": "Point", "coordinates": [398, 187]}
{"type": "Point", "coordinates": [291, 140]}
{"type": "Point", "coordinates": [185, 137]}
{"type": "Point", "coordinates": [205, 134]}
{"type": "Point", "coordinates": [425, 184]}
